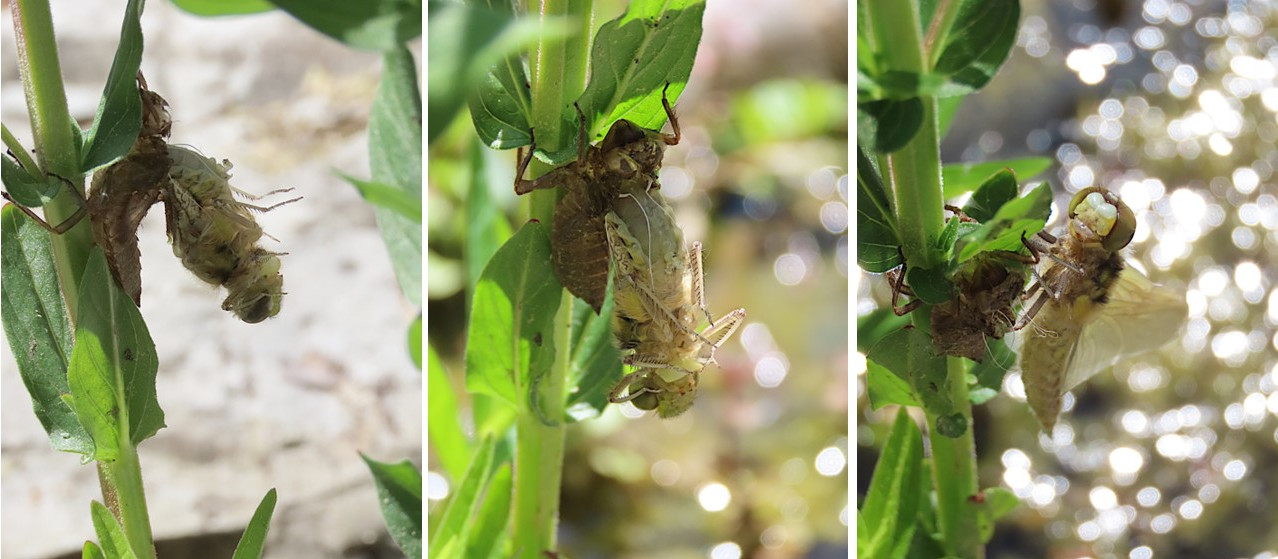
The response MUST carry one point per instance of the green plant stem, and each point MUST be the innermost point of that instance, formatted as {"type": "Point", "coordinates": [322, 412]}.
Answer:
{"type": "Point", "coordinates": [954, 473]}
{"type": "Point", "coordinates": [914, 171]}
{"type": "Point", "coordinates": [57, 153]}
{"type": "Point", "coordinates": [55, 144]}
{"type": "Point", "coordinates": [559, 77]}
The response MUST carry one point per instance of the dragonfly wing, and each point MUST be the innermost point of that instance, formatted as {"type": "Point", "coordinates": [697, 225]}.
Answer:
{"type": "Point", "coordinates": [1139, 317]}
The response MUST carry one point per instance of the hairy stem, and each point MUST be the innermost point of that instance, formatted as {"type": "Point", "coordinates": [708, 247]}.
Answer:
{"type": "Point", "coordinates": [559, 76]}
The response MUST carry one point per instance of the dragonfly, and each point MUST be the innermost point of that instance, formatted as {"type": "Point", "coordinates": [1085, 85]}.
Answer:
{"type": "Point", "coordinates": [1091, 310]}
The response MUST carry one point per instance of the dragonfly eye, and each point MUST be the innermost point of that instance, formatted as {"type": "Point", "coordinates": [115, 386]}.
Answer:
{"type": "Point", "coordinates": [1103, 215]}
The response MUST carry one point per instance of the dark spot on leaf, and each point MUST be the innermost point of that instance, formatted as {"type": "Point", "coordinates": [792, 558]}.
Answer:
{"type": "Point", "coordinates": [537, 339]}
{"type": "Point", "coordinates": [534, 220]}
{"type": "Point", "coordinates": [128, 354]}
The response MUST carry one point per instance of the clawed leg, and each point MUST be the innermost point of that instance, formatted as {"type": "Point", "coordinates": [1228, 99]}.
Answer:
{"type": "Point", "coordinates": [669, 139]}
{"type": "Point", "coordinates": [522, 185]}
{"type": "Point", "coordinates": [698, 281]}
{"type": "Point", "coordinates": [897, 278]}
{"type": "Point", "coordinates": [1032, 312]}
{"type": "Point", "coordinates": [615, 396]}
{"type": "Point", "coordinates": [61, 228]}
{"type": "Point", "coordinates": [720, 331]}
{"type": "Point", "coordinates": [264, 209]}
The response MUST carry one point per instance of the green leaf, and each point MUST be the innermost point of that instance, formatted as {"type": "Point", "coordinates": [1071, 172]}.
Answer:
{"type": "Point", "coordinates": [486, 226]}
{"type": "Point", "coordinates": [885, 388]}
{"type": "Point", "coordinates": [997, 190]}
{"type": "Point", "coordinates": [119, 117]}
{"type": "Point", "coordinates": [446, 436]}
{"type": "Point", "coordinates": [878, 246]}
{"type": "Point", "coordinates": [254, 537]}
{"type": "Point", "coordinates": [997, 503]}
{"type": "Point", "coordinates": [112, 366]}
{"type": "Point", "coordinates": [893, 498]}
{"type": "Point", "coordinates": [382, 25]}
{"type": "Point", "coordinates": [399, 490]}
{"type": "Point", "coordinates": [929, 285]}
{"type": "Point", "coordinates": [633, 58]}
{"type": "Point", "coordinates": [457, 514]}
{"type": "Point", "coordinates": [1019, 217]}
{"type": "Point", "coordinates": [388, 197]}
{"type": "Point", "coordinates": [961, 178]}
{"type": "Point", "coordinates": [511, 335]}
{"type": "Point", "coordinates": [490, 522]}
{"type": "Point", "coordinates": [888, 125]}
{"type": "Point", "coordinates": [909, 354]}
{"type": "Point", "coordinates": [596, 364]}
{"type": "Point", "coordinates": [37, 327]}
{"type": "Point", "coordinates": [110, 534]}
{"type": "Point", "coordinates": [223, 7]}
{"type": "Point", "coordinates": [91, 551]}
{"type": "Point", "coordinates": [977, 44]}
{"type": "Point", "coordinates": [990, 371]}
{"type": "Point", "coordinates": [475, 54]}
{"type": "Point", "coordinates": [872, 327]}
{"type": "Point", "coordinates": [395, 158]}
{"type": "Point", "coordinates": [27, 189]}
{"type": "Point", "coordinates": [946, 110]}
{"type": "Point", "coordinates": [415, 341]}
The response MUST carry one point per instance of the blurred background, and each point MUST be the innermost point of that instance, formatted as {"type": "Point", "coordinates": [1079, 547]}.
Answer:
{"type": "Point", "coordinates": [757, 467]}
{"type": "Point", "coordinates": [1171, 105]}
{"type": "Point", "coordinates": [287, 403]}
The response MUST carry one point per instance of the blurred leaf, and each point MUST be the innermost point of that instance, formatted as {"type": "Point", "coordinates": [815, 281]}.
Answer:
{"type": "Point", "coordinates": [888, 125]}
{"type": "Point", "coordinates": [110, 534]}
{"type": "Point", "coordinates": [946, 109]}
{"type": "Point", "coordinates": [511, 329]}
{"type": "Point", "coordinates": [486, 225]}
{"type": "Point", "coordinates": [997, 503]}
{"type": "Point", "coordinates": [395, 158]}
{"type": "Point", "coordinates": [489, 526]}
{"type": "Point", "coordinates": [790, 109]}
{"type": "Point", "coordinates": [878, 246]}
{"type": "Point", "coordinates": [596, 363]}
{"type": "Point", "coordinates": [415, 341]}
{"type": "Point", "coordinates": [380, 25]}
{"type": "Point", "coordinates": [91, 551]}
{"type": "Point", "coordinates": [113, 364]}
{"type": "Point", "coordinates": [388, 197]}
{"type": "Point", "coordinates": [27, 189]}
{"type": "Point", "coordinates": [223, 7]}
{"type": "Point", "coordinates": [399, 490]}
{"type": "Point", "coordinates": [872, 327]}
{"type": "Point", "coordinates": [892, 499]}
{"type": "Point", "coordinates": [1019, 217]}
{"type": "Point", "coordinates": [119, 117]}
{"type": "Point", "coordinates": [977, 44]}
{"type": "Point", "coordinates": [37, 327]}
{"type": "Point", "coordinates": [446, 436]}
{"type": "Point", "coordinates": [461, 505]}
{"type": "Point", "coordinates": [254, 538]}
{"type": "Point", "coordinates": [961, 178]}
{"type": "Point", "coordinates": [1000, 188]}
{"type": "Point", "coordinates": [633, 58]}
{"type": "Point", "coordinates": [885, 388]}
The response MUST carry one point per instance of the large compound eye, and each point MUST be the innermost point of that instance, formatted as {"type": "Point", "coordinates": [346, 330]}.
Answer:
{"type": "Point", "coordinates": [1103, 215]}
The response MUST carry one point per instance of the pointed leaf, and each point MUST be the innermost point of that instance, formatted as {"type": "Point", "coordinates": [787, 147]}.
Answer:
{"type": "Point", "coordinates": [399, 490]}
{"type": "Point", "coordinates": [885, 388]}
{"type": "Point", "coordinates": [38, 328]}
{"type": "Point", "coordinates": [511, 335]}
{"type": "Point", "coordinates": [490, 521]}
{"type": "Point", "coordinates": [461, 505]}
{"type": "Point", "coordinates": [119, 117]}
{"type": "Point", "coordinates": [446, 436]}
{"type": "Point", "coordinates": [113, 364]}
{"type": "Point", "coordinates": [110, 534]}
{"type": "Point", "coordinates": [878, 246]}
{"type": "Point", "coordinates": [254, 538]}
{"type": "Point", "coordinates": [395, 158]}
{"type": "Point", "coordinates": [893, 497]}
{"type": "Point", "coordinates": [977, 44]}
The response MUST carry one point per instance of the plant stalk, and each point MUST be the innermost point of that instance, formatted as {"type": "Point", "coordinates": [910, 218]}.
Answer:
{"type": "Point", "coordinates": [558, 76]}
{"type": "Point", "coordinates": [57, 153]}
{"type": "Point", "coordinates": [954, 473]}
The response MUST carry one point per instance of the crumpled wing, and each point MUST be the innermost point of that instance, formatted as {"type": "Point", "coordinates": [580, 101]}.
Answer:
{"type": "Point", "coordinates": [1139, 317]}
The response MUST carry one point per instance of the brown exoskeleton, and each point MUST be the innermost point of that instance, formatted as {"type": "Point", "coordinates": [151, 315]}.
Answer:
{"type": "Point", "coordinates": [613, 211]}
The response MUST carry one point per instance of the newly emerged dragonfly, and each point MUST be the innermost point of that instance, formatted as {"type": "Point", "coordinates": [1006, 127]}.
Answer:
{"type": "Point", "coordinates": [612, 211]}
{"type": "Point", "coordinates": [1091, 309]}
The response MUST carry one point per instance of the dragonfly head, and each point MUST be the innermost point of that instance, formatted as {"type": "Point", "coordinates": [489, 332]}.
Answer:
{"type": "Point", "coordinates": [1096, 214]}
